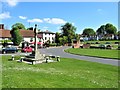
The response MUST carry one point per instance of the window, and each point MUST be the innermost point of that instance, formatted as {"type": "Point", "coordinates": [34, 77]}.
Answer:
{"type": "Point", "coordinates": [52, 38]}
{"type": "Point", "coordinates": [31, 39]}
{"type": "Point", "coordinates": [45, 38]}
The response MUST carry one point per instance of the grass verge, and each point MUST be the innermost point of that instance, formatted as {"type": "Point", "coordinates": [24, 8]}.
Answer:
{"type": "Point", "coordinates": [103, 53]}
{"type": "Point", "coordinates": [68, 73]}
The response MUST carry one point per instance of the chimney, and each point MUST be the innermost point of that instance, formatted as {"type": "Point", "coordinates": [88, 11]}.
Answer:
{"type": "Point", "coordinates": [1, 26]}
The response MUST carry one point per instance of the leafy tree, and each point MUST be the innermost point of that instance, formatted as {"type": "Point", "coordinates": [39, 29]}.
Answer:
{"type": "Point", "coordinates": [31, 28]}
{"type": "Point", "coordinates": [63, 40]}
{"type": "Point", "coordinates": [110, 29]}
{"type": "Point", "coordinates": [77, 37]}
{"type": "Point", "coordinates": [16, 37]}
{"type": "Point", "coordinates": [88, 32]}
{"type": "Point", "coordinates": [57, 36]}
{"type": "Point", "coordinates": [18, 25]}
{"type": "Point", "coordinates": [119, 35]}
{"type": "Point", "coordinates": [68, 30]}
{"type": "Point", "coordinates": [101, 31]}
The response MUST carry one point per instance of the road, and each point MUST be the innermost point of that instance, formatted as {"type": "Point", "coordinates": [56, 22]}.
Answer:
{"type": "Point", "coordinates": [59, 51]}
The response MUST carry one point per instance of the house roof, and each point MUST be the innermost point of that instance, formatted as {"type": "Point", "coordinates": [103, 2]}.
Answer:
{"type": "Point", "coordinates": [25, 33]}
{"type": "Point", "coordinates": [5, 33]}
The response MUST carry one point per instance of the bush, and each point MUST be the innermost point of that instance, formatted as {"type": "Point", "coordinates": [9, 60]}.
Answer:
{"type": "Point", "coordinates": [53, 44]}
{"type": "Point", "coordinates": [5, 41]}
{"type": "Point", "coordinates": [118, 47]}
{"type": "Point", "coordinates": [58, 44]}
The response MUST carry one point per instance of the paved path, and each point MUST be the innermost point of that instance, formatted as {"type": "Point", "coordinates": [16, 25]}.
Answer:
{"type": "Point", "coordinates": [59, 51]}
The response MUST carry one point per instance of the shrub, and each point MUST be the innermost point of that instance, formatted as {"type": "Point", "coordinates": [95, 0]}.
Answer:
{"type": "Point", "coordinates": [118, 47]}
{"type": "Point", "coordinates": [52, 44]}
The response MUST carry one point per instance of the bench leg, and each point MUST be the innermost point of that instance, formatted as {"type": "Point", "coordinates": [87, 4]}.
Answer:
{"type": "Point", "coordinates": [33, 62]}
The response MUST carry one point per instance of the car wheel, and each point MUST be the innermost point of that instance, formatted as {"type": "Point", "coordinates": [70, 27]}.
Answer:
{"type": "Point", "coordinates": [4, 52]}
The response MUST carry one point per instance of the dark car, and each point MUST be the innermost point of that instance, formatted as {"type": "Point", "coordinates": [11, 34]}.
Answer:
{"type": "Point", "coordinates": [107, 43]}
{"type": "Point", "coordinates": [102, 46]}
{"type": "Point", "coordinates": [109, 47]}
{"type": "Point", "coordinates": [9, 50]}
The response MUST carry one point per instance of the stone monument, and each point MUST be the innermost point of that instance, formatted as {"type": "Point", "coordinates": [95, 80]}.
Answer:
{"type": "Point", "coordinates": [35, 56]}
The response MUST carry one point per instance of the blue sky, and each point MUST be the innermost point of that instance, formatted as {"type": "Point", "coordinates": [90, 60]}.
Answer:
{"type": "Point", "coordinates": [52, 15]}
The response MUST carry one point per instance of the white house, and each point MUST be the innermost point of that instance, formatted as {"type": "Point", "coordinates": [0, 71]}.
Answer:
{"type": "Point", "coordinates": [47, 35]}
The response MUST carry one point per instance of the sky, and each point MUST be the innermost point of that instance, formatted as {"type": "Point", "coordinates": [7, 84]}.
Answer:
{"type": "Point", "coordinates": [52, 15]}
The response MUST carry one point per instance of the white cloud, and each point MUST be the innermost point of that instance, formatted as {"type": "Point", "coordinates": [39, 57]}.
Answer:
{"type": "Point", "coordinates": [54, 20]}
{"type": "Point", "coordinates": [73, 24]}
{"type": "Point", "coordinates": [5, 15]}
{"type": "Point", "coordinates": [22, 17]}
{"type": "Point", "coordinates": [35, 20]}
{"type": "Point", "coordinates": [45, 27]}
{"type": "Point", "coordinates": [100, 11]}
{"type": "Point", "coordinates": [12, 2]}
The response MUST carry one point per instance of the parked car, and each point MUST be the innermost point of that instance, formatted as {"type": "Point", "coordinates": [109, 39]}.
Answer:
{"type": "Point", "coordinates": [27, 49]}
{"type": "Point", "coordinates": [107, 43]}
{"type": "Point", "coordinates": [109, 47]}
{"type": "Point", "coordinates": [97, 43]}
{"type": "Point", "coordinates": [102, 46]}
{"type": "Point", "coordinates": [9, 50]}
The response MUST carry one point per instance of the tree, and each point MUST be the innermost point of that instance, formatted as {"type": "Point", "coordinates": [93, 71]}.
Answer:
{"type": "Point", "coordinates": [68, 30]}
{"type": "Point", "coordinates": [119, 35]}
{"type": "Point", "coordinates": [101, 31]}
{"type": "Point", "coordinates": [18, 25]}
{"type": "Point", "coordinates": [30, 28]}
{"type": "Point", "coordinates": [63, 40]}
{"type": "Point", "coordinates": [88, 32]}
{"type": "Point", "coordinates": [57, 36]}
{"type": "Point", "coordinates": [16, 37]}
{"type": "Point", "coordinates": [77, 37]}
{"type": "Point", "coordinates": [110, 29]}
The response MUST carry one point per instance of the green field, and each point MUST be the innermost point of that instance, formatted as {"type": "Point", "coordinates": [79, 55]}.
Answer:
{"type": "Point", "coordinates": [68, 73]}
{"type": "Point", "coordinates": [102, 42]}
{"type": "Point", "coordinates": [95, 52]}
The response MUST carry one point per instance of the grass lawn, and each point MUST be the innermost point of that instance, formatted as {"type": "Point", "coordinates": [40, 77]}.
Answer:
{"type": "Point", "coordinates": [95, 52]}
{"type": "Point", "coordinates": [68, 73]}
